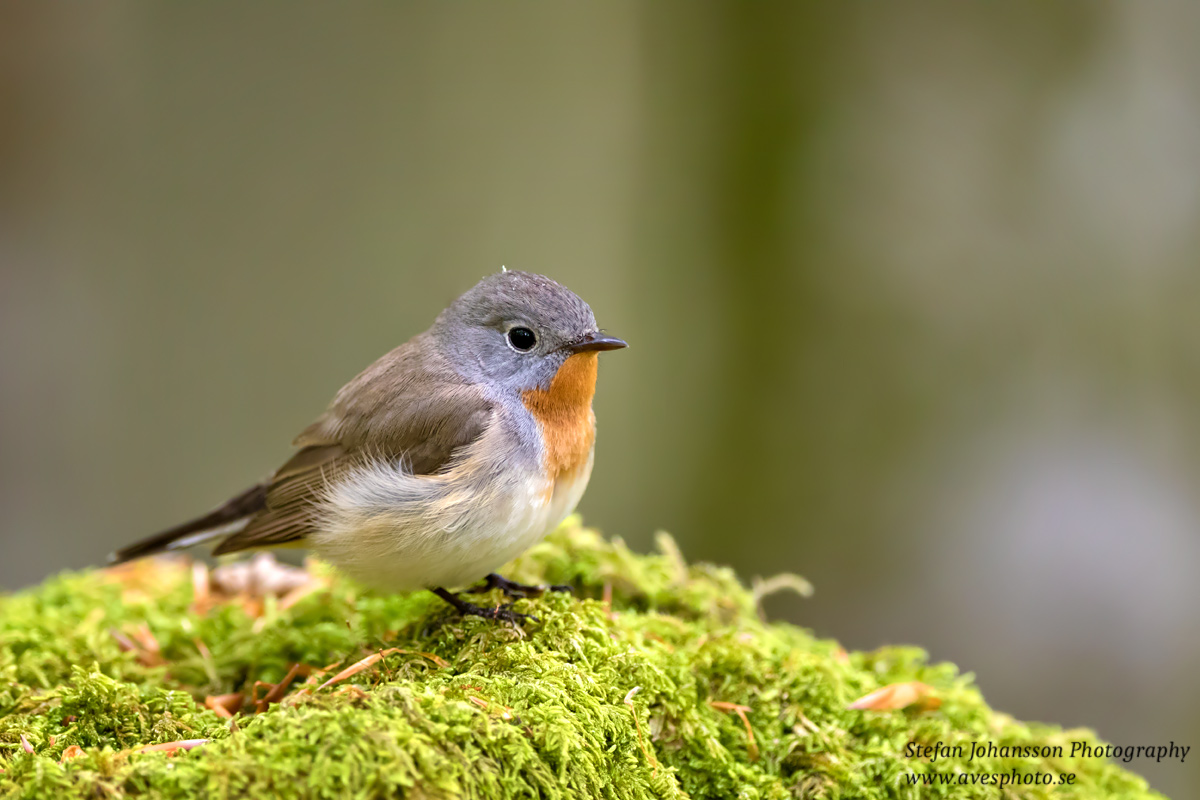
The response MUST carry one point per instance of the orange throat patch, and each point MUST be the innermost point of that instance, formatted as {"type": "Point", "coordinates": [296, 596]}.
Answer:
{"type": "Point", "coordinates": [564, 412]}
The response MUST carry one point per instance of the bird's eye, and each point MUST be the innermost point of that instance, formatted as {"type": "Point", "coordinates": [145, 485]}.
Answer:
{"type": "Point", "coordinates": [522, 339]}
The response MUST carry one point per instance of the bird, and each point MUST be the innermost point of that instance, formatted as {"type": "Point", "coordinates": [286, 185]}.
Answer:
{"type": "Point", "coordinates": [443, 460]}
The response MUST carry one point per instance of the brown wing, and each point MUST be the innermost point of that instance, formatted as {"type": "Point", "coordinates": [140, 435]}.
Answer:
{"type": "Point", "coordinates": [407, 405]}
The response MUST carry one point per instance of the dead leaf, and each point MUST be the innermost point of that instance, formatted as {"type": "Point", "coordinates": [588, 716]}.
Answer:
{"type": "Point", "coordinates": [895, 696]}
{"type": "Point", "coordinates": [71, 752]}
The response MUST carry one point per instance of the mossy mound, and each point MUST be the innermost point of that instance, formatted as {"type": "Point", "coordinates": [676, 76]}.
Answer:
{"type": "Point", "coordinates": [671, 686]}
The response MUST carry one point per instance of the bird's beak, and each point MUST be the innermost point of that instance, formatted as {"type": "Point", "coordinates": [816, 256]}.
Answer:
{"type": "Point", "coordinates": [594, 342]}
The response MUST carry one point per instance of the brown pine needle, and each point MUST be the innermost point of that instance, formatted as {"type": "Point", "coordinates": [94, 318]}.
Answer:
{"type": "Point", "coordinates": [895, 696]}
{"type": "Point", "coordinates": [259, 705]}
{"type": "Point", "coordinates": [751, 744]}
{"type": "Point", "coordinates": [225, 705]}
{"type": "Point", "coordinates": [375, 658]}
{"type": "Point", "coordinates": [276, 694]}
{"type": "Point", "coordinates": [638, 726]}
{"type": "Point", "coordinates": [168, 747]}
{"type": "Point", "coordinates": [144, 637]}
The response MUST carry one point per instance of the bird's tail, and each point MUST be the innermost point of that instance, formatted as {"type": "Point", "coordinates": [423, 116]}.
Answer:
{"type": "Point", "coordinates": [229, 518]}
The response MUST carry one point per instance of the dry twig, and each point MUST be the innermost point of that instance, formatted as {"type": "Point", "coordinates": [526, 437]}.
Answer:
{"type": "Point", "coordinates": [375, 658]}
{"type": "Point", "coordinates": [225, 705]}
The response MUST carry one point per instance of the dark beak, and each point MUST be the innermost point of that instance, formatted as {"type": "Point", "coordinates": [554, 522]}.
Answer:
{"type": "Point", "coordinates": [595, 341]}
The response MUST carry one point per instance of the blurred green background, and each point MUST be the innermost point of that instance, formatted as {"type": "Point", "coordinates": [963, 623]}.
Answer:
{"type": "Point", "coordinates": [911, 289]}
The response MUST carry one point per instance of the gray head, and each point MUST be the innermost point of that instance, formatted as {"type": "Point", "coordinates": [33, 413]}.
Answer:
{"type": "Point", "coordinates": [515, 329]}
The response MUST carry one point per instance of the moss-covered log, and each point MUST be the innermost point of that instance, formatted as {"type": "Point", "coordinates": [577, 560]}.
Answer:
{"type": "Point", "coordinates": [656, 679]}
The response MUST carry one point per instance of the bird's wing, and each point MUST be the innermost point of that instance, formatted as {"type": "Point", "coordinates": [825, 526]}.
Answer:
{"type": "Point", "coordinates": [406, 406]}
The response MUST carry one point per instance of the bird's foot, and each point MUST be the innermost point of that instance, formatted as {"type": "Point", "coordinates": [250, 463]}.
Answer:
{"type": "Point", "coordinates": [503, 613]}
{"type": "Point", "coordinates": [514, 589]}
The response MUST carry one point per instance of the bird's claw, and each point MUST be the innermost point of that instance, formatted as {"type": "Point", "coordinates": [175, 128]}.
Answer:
{"type": "Point", "coordinates": [514, 589]}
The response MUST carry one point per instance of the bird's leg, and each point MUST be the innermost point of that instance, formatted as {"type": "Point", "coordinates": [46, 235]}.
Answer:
{"type": "Point", "coordinates": [471, 610]}
{"type": "Point", "coordinates": [514, 589]}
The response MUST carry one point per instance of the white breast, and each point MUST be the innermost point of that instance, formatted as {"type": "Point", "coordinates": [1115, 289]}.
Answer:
{"type": "Point", "coordinates": [398, 532]}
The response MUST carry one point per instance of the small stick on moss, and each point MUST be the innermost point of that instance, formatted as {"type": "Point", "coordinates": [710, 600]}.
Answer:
{"type": "Point", "coordinates": [751, 745]}
{"type": "Point", "coordinates": [375, 658]}
{"type": "Point", "coordinates": [277, 692]}
{"type": "Point", "coordinates": [638, 726]}
{"type": "Point", "coordinates": [224, 704]}
{"type": "Point", "coordinates": [254, 699]}
{"type": "Point", "coordinates": [169, 747]}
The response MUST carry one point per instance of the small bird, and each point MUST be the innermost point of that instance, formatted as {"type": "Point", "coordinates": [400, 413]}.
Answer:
{"type": "Point", "coordinates": [446, 458]}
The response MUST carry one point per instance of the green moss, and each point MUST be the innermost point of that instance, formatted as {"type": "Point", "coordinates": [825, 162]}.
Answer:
{"type": "Point", "coordinates": [549, 711]}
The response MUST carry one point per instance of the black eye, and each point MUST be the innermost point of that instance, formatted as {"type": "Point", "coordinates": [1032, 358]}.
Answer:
{"type": "Point", "coordinates": [522, 339]}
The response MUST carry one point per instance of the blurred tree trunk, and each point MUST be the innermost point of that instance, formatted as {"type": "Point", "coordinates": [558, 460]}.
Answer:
{"type": "Point", "coordinates": [734, 97]}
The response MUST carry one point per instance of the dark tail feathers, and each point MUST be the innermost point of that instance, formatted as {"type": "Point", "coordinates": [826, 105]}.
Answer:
{"type": "Point", "coordinates": [243, 505]}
